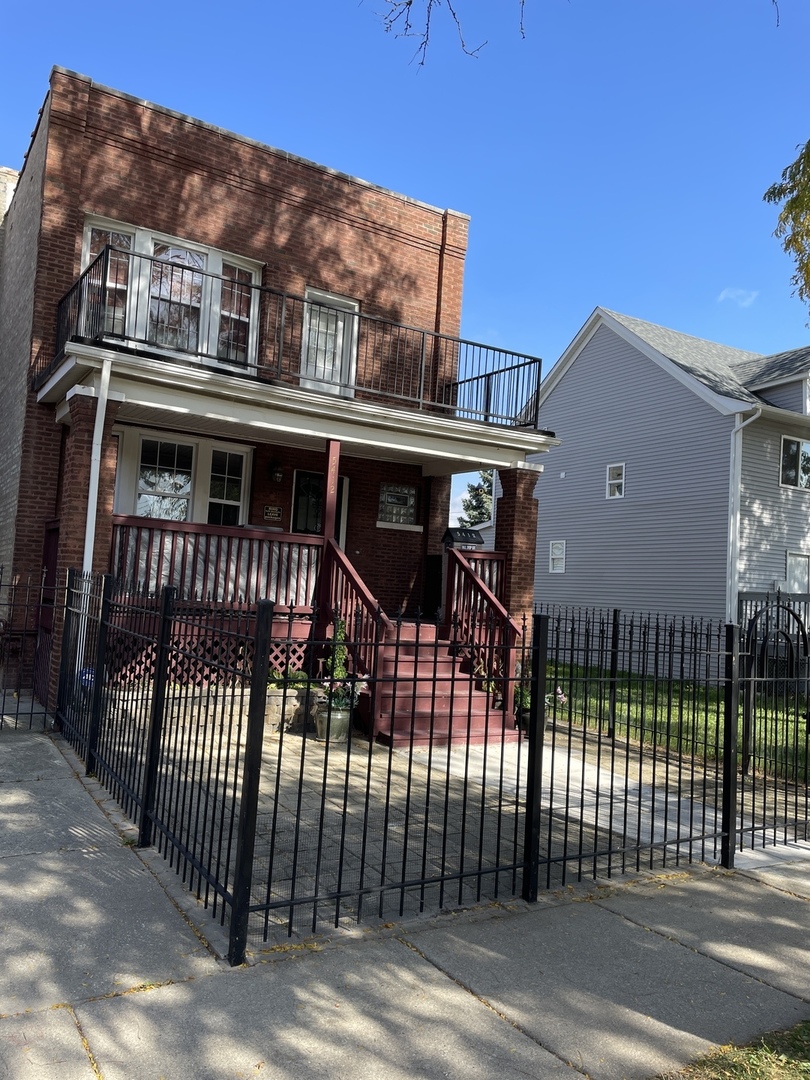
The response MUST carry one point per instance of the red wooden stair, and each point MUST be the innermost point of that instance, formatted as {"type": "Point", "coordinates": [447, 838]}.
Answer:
{"type": "Point", "coordinates": [424, 694]}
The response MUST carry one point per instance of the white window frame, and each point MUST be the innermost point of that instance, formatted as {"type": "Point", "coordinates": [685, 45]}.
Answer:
{"type": "Point", "coordinates": [614, 485]}
{"type": "Point", "coordinates": [129, 459]}
{"type": "Point", "coordinates": [796, 561]}
{"type": "Point", "coordinates": [556, 556]}
{"type": "Point", "coordinates": [143, 243]}
{"type": "Point", "coordinates": [347, 311]}
{"type": "Point", "coordinates": [804, 448]}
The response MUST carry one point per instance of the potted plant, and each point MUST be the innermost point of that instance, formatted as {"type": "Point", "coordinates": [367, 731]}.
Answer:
{"type": "Point", "coordinates": [338, 692]}
{"type": "Point", "coordinates": [523, 703]}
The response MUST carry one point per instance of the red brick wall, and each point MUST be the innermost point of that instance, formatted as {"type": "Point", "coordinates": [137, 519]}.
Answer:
{"type": "Point", "coordinates": [516, 534]}
{"type": "Point", "coordinates": [100, 152]}
{"type": "Point", "coordinates": [76, 463]}
{"type": "Point", "coordinates": [390, 561]}
{"type": "Point", "coordinates": [126, 159]}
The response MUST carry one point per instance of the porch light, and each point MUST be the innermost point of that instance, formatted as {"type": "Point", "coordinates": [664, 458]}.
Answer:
{"type": "Point", "coordinates": [276, 472]}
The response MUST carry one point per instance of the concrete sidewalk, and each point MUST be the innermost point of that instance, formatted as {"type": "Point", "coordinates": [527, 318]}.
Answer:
{"type": "Point", "coordinates": [105, 975]}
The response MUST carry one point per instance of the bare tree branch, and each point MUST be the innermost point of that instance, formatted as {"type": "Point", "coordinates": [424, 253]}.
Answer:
{"type": "Point", "coordinates": [399, 19]}
{"type": "Point", "coordinates": [414, 18]}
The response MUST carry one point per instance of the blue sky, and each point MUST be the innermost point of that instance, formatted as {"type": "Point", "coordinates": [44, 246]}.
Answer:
{"type": "Point", "coordinates": [615, 156]}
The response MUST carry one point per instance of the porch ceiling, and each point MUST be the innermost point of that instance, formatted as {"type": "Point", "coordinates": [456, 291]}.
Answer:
{"type": "Point", "coordinates": [177, 397]}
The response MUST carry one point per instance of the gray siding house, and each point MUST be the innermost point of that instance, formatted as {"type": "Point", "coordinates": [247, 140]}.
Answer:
{"type": "Point", "coordinates": [683, 475]}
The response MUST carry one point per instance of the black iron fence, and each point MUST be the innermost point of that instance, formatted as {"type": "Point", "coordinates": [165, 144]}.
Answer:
{"type": "Point", "coordinates": [177, 309]}
{"type": "Point", "coordinates": [297, 783]}
{"type": "Point", "coordinates": [27, 609]}
{"type": "Point", "coordinates": [240, 745]}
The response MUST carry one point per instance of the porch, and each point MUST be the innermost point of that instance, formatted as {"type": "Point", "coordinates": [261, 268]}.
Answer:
{"type": "Point", "coordinates": [162, 310]}
{"type": "Point", "coordinates": [440, 681]}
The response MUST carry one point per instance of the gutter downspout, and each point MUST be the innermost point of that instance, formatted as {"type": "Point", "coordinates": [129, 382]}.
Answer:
{"type": "Point", "coordinates": [733, 546]}
{"type": "Point", "coordinates": [95, 467]}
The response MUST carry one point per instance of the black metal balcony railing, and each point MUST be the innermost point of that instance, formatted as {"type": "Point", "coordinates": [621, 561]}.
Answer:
{"type": "Point", "coordinates": [175, 311]}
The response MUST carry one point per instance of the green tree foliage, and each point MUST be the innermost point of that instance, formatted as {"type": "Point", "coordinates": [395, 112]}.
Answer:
{"type": "Point", "coordinates": [793, 226]}
{"type": "Point", "coordinates": [477, 504]}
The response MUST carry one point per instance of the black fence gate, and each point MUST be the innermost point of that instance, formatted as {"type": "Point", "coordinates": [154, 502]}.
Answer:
{"type": "Point", "coordinates": [26, 627]}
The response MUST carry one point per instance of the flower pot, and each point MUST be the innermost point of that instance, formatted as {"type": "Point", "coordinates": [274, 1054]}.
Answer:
{"type": "Point", "coordinates": [332, 725]}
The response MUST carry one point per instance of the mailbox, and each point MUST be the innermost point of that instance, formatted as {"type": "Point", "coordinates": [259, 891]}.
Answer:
{"type": "Point", "coordinates": [463, 539]}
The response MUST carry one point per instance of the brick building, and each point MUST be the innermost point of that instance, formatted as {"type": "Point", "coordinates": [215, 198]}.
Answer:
{"type": "Point", "coordinates": [215, 357]}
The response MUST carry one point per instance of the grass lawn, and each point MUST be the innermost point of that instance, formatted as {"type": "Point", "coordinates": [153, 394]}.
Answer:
{"type": "Point", "coordinates": [782, 1055]}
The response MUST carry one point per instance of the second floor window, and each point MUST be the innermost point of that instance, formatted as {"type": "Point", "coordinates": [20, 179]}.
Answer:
{"type": "Point", "coordinates": [614, 486]}
{"type": "Point", "coordinates": [174, 295]}
{"type": "Point", "coordinates": [795, 468]}
{"type": "Point", "coordinates": [329, 350]}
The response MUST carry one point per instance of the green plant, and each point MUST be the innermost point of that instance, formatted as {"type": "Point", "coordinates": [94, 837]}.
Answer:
{"type": "Point", "coordinates": [336, 663]}
{"type": "Point", "coordinates": [277, 679]}
{"type": "Point", "coordinates": [523, 697]}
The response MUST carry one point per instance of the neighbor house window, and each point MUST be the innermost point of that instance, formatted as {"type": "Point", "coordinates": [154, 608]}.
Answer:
{"type": "Point", "coordinates": [798, 572]}
{"type": "Point", "coordinates": [397, 504]}
{"type": "Point", "coordinates": [795, 471]}
{"type": "Point", "coordinates": [175, 295]}
{"type": "Point", "coordinates": [556, 557]}
{"type": "Point", "coordinates": [614, 488]}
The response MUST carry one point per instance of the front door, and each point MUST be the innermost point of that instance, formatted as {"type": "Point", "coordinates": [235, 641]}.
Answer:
{"type": "Point", "coordinates": [307, 515]}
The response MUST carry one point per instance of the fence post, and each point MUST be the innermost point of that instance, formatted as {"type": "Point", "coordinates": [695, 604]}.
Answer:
{"type": "Point", "coordinates": [614, 672]}
{"type": "Point", "coordinates": [98, 681]}
{"type": "Point", "coordinates": [64, 661]}
{"type": "Point", "coordinates": [534, 769]}
{"type": "Point", "coordinates": [730, 725]}
{"type": "Point", "coordinates": [249, 802]}
{"type": "Point", "coordinates": [156, 715]}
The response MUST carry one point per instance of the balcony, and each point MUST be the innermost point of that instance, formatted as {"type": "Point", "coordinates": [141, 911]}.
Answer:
{"type": "Point", "coordinates": [171, 311]}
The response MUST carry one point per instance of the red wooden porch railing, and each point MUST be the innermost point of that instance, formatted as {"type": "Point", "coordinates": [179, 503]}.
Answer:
{"type": "Point", "coordinates": [346, 595]}
{"type": "Point", "coordinates": [222, 563]}
{"type": "Point", "coordinates": [483, 624]}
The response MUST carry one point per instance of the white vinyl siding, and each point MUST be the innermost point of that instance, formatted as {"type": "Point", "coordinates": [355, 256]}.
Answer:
{"type": "Point", "coordinates": [774, 518]}
{"type": "Point", "coordinates": [666, 550]}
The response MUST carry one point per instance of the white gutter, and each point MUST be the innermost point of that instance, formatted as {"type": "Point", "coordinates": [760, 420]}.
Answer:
{"type": "Point", "coordinates": [735, 479]}
{"type": "Point", "coordinates": [95, 467]}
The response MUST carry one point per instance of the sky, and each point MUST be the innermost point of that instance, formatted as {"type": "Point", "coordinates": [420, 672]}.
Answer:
{"type": "Point", "coordinates": [616, 154]}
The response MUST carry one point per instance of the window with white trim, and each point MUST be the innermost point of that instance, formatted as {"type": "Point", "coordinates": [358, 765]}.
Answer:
{"type": "Point", "coordinates": [165, 472]}
{"type": "Point", "coordinates": [329, 348]}
{"type": "Point", "coordinates": [184, 297]}
{"type": "Point", "coordinates": [614, 482]}
{"type": "Point", "coordinates": [795, 463]}
{"type": "Point", "coordinates": [181, 479]}
{"type": "Point", "coordinates": [798, 572]}
{"type": "Point", "coordinates": [556, 557]}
